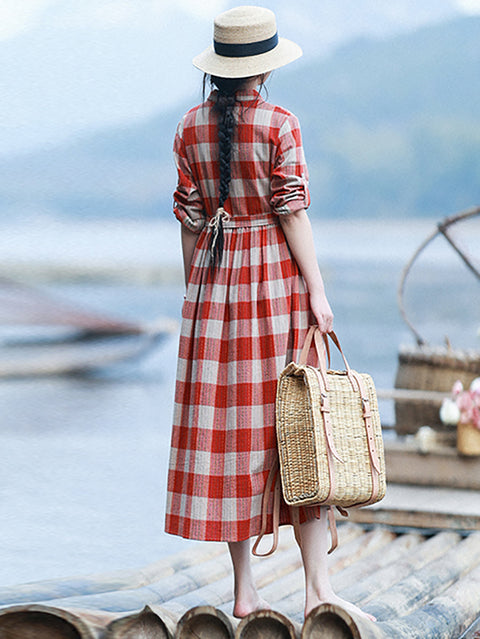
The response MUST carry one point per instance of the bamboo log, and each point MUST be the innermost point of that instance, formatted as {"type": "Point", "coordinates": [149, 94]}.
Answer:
{"type": "Point", "coordinates": [329, 621]}
{"type": "Point", "coordinates": [289, 597]}
{"type": "Point", "coordinates": [123, 591]}
{"type": "Point", "coordinates": [204, 622]}
{"type": "Point", "coordinates": [412, 592]}
{"type": "Point", "coordinates": [270, 572]}
{"type": "Point", "coordinates": [397, 566]}
{"type": "Point", "coordinates": [37, 621]}
{"type": "Point", "coordinates": [150, 623]}
{"type": "Point", "coordinates": [380, 558]}
{"type": "Point", "coordinates": [220, 592]}
{"type": "Point", "coordinates": [164, 568]}
{"type": "Point", "coordinates": [267, 624]}
{"type": "Point", "coordinates": [182, 583]}
{"type": "Point", "coordinates": [473, 632]}
{"type": "Point", "coordinates": [443, 617]}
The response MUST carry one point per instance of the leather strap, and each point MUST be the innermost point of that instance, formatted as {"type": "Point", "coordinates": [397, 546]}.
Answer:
{"type": "Point", "coordinates": [306, 345]}
{"type": "Point", "coordinates": [358, 386]}
{"type": "Point", "coordinates": [321, 341]}
{"type": "Point", "coordinates": [273, 483]}
{"type": "Point", "coordinates": [372, 449]}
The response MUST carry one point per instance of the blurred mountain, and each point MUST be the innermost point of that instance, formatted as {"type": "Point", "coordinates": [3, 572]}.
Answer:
{"type": "Point", "coordinates": [391, 128]}
{"type": "Point", "coordinates": [72, 67]}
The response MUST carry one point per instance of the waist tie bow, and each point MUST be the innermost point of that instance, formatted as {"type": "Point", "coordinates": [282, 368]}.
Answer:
{"type": "Point", "coordinates": [217, 237]}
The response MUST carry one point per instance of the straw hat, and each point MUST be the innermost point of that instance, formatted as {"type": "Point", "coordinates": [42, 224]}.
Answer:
{"type": "Point", "coordinates": [246, 43]}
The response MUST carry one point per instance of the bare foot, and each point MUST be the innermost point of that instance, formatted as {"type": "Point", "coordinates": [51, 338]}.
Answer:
{"type": "Point", "coordinates": [242, 608]}
{"type": "Point", "coordinates": [313, 602]}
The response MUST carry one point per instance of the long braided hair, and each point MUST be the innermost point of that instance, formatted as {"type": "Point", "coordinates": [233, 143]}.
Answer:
{"type": "Point", "coordinates": [224, 107]}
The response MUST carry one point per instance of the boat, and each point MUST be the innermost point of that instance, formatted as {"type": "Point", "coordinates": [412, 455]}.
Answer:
{"type": "Point", "coordinates": [42, 334]}
{"type": "Point", "coordinates": [423, 367]}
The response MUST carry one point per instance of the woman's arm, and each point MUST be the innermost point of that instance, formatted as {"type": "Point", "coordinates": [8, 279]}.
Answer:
{"type": "Point", "coordinates": [189, 241]}
{"type": "Point", "coordinates": [298, 231]}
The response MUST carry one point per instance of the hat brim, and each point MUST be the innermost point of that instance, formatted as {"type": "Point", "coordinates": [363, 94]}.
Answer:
{"type": "Point", "coordinates": [210, 62]}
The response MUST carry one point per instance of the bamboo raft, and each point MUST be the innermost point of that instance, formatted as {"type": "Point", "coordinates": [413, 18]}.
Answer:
{"type": "Point", "coordinates": [419, 585]}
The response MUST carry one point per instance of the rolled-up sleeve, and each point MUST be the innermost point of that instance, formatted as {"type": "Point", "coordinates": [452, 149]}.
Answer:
{"type": "Point", "coordinates": [188, 205]}
{"type": "Point", "coordinates": [289, 179]}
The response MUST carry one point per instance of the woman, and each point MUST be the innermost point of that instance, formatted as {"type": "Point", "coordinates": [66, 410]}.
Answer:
{"type": "Point", "coordinates": [253, 288]}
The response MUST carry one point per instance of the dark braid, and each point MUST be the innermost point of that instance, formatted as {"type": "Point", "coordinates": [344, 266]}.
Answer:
{"type": "Point", "coordinates": [224, 107]}
{"type": "Point", "coordinates": [226, 125]}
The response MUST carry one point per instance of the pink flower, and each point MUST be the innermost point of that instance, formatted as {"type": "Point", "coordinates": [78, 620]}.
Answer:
{"type": "Point", "coordinates": [476, 417]}
{"type": "Point", "coordinates": [457, 388]}
{"type": "Point", "coordinates": [464, 407]}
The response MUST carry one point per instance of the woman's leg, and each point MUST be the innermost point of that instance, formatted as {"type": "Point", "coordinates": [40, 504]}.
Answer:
{"type": "Point", "coordinates": [314, 548]}
{"type": "Point", "coordinates": [247, 598]}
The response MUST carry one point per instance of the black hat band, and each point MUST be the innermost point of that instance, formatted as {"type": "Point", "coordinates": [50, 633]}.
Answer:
{"type": "Point", "coordinates": [245, 50]}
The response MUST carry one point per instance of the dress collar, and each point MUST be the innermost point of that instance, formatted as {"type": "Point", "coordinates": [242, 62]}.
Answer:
{"type": "Point", "coordinates": [246, 96]}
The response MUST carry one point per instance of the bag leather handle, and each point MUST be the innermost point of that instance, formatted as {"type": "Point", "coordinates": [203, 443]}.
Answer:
{"type": "Point", "coordinates": [322, 347]}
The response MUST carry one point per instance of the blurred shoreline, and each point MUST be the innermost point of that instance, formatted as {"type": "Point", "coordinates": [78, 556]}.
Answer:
{"type": "Point", "coordinates": [148, 252]}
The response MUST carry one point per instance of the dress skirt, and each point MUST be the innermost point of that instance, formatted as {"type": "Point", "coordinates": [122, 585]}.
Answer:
{"type": "Point", "coordinates": [241, 324]}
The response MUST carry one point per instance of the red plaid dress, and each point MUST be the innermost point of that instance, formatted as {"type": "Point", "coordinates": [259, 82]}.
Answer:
{"type": "Point", "coordinates": [240, 326]}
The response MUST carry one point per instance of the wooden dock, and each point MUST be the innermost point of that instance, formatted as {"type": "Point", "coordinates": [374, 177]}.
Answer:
{"type": "Point", "coordinates": [420, 583]}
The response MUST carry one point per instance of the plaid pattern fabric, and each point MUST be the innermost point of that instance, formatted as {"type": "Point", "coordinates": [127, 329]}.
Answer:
{"type": "Point", "coordinates": [241, 324]}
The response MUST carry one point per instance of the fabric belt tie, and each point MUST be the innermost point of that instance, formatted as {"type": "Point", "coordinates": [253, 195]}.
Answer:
{"type": "Point", "coordinates": [216, 224]}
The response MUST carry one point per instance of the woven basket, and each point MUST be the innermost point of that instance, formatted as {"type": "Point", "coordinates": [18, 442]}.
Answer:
{"type": "Point", "coordinates": [431, 369]}
{"type": "Point", "coordinates": [305, 466]}
{"type": "Point", "coordinates": [468, 440]}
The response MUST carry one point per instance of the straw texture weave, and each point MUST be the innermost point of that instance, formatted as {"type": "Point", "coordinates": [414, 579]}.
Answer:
{"type": "Point", "coordinates": [468, 440]}
{"type": "Point", "coordinates": [304, 460]}
{"type": "Point", "coordinates": [430, 368]}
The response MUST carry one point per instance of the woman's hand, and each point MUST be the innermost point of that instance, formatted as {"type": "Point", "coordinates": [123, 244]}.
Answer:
{"type": "Point", "coordinates": [322, 311]}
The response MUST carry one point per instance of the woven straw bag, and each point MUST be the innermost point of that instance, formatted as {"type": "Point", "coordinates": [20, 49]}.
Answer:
{"type": "Point", "coordinates": [329, 437]}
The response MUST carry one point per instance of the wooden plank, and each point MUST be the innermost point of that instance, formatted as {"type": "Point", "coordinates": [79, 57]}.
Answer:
{"type": "Point", "coordinates": [412, 395]}
{"type": "Point", "coordinates": [423, 507]}
{"type": "Point", "coordinates": [415, 519]}
{"type": "Point", "coordinates": [440, 466]}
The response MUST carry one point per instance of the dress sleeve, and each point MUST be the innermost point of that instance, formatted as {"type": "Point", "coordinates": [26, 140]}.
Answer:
{"type": "Point", "coordinates": [289, 181]}
{"type": "Point", "coordinates": [187, 202]}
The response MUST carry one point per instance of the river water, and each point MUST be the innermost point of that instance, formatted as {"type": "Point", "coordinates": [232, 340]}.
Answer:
{"type": "Point", "coordinates": [83, 458]}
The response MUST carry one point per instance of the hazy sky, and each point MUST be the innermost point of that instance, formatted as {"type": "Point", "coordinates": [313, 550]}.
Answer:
{"type": "Point", "coordinates": [68, 66]}
{"type": "Point", "coordinates": [17, 17]}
